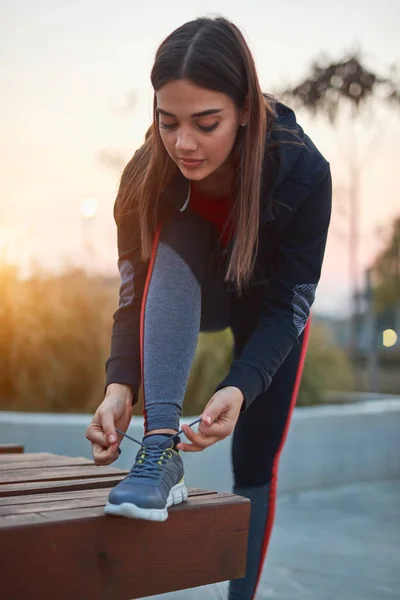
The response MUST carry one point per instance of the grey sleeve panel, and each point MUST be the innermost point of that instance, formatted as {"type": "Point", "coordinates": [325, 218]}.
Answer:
{"type": "Point", "coordinates": [303, 298]}
{"type": "Point", "coordinates": [127, 293]}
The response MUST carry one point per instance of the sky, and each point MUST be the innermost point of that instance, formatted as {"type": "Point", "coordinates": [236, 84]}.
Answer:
{"type": "Point", "coordinates": [75, 88]}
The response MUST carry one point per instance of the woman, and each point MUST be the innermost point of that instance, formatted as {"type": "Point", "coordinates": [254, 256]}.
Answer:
{"type": "Point", "coordinates": [222, 220]}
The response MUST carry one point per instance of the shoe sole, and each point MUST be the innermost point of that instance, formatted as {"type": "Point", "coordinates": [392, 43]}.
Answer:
{"type": "Point", "coordinates": [177, 495]}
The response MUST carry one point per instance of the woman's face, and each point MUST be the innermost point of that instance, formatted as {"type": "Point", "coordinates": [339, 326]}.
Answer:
{"type": "Point", "coordinates": [198, 127]}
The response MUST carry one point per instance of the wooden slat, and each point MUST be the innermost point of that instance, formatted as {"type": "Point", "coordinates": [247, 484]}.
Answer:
{"type": "Point", "coordinates": [49, 497]}
{"type": "Point", "coordinates": [11, 448]}
{"type": "Point", "coordinates": [31, 456]}
{"type": "Point", "coordinates": [68, 515]}
{"type": "Point", "coordinates": [43, 474]}
{"type": "Point", "coordinates": [38, 487]}
{"type": "Point", "coordinates": [48, 463]}
{"type": "Point", "coordinates": [63, 505]}
{"type": "Point", "coordinates": [57, 496]}
{"type": "Point", "coordinates": [84, 499]}
{"type": "Point", "coordinates": [86, 554]}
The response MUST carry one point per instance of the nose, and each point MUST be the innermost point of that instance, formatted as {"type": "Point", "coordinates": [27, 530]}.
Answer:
{"type": "Point", "coordinates": [185, 142]}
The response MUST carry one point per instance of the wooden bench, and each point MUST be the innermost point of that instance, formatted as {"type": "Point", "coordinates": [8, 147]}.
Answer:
{"type": "Point", "coordinates": [11, 448]}
{"type": "Point", "coordinates": [57, 544]}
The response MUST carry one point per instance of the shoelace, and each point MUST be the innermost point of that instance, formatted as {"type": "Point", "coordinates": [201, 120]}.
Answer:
{"type": "Point", "coordinates": [167, 441]}
{"type": "Point", "coordinates": [150, 458]}
{"type": "Point", "coordinates": [149, 461]}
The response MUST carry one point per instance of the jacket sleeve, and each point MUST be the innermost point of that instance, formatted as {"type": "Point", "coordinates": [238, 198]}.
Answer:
{"type": "Point", "coordinates": [296, 271]}
{"type": "Point", "coordinates": [124, 365]}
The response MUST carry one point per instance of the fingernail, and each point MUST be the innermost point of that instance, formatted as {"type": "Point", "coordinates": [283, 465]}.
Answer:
{"type": "Point", "coordinates": [208, 420]}
{"type": "Point", "coordinates": [112, 439]}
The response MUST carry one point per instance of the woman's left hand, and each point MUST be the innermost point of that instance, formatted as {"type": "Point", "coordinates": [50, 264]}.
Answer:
{"type": "Point", "coordinates": [218, 420]}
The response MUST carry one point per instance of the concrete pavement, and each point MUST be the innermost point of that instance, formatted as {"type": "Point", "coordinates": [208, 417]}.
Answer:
{"type": "Point", "coordinates": [337, 543]}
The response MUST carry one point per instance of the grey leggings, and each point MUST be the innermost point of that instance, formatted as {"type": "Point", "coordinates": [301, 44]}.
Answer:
{"type": "Point", "coordinates": [184, 294]}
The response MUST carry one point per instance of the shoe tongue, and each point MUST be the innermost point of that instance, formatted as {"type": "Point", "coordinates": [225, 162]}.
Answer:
{"type": "Point", "coordinates": [158, 440]}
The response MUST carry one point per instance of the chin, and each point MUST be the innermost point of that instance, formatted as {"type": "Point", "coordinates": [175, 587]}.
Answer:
{"type": "Point", "coordinates": [195, 174]}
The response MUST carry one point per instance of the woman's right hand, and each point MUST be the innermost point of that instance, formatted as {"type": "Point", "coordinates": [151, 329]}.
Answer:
{"type": "Point", "coordinates": [114, 411]}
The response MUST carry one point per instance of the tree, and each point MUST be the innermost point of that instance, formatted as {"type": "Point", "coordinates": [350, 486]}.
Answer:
{"type": "Point", "coordinates": [334, 89]}
{"type": "Point", "coordinates": [386, 269]}
{"type": "Point", "coordinates": [329, 85]}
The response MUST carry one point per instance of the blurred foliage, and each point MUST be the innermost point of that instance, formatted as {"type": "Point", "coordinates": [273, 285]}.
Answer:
{"type": "Point", "coordinates": [386, 270]}
{"type": "Point", "coordinates": [329, 84]}
{"type": "Point", "coordinates": [210, 366]}
{"type": "Point", "coordinates": [55, 337]}
{"type": "Point", "coordinates": [327, 367]}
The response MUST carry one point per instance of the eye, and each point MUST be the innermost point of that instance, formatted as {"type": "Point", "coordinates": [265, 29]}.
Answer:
{"type": "Point", "coordinates": [208, 128]}
{"type": "Point", "coordinates": [167, 125]}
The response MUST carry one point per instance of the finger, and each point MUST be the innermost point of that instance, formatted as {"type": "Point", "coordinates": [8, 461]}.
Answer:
{"type": "Point", "coordinates": [107, 422]}
{"type": "Point", "coordinates": [198, 439]}
{"type": "Point", "coordinates": [96, 436]}
{"type": "Point", "coordinates": [220, 428]}
{"type": "Point", "coordinates": [195, 438]}
{"type": "Point", "coordinates": [104, 456]}
{"type": "Point", "coordinates": [101, 457]}
{"type": "Point", "coordinates": [99, 450]}
{"type": "Point", "coordinates": [213, 410]}
{"type": "Point", "coordinates": [189, 448]}
{"type": "Point", "coordinates": [195, 448]}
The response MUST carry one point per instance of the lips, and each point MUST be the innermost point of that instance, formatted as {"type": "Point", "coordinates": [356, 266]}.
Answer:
{"type": "Point", "coordinates": [191, 163]}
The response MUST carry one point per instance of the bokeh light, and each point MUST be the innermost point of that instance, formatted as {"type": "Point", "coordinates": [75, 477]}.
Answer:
{"type": "Point", "coordinates": [89, 208]}
{"type": "Point", "coordinates": [389, 338]}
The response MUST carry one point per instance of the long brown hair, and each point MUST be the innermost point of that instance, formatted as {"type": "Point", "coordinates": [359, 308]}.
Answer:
{"type": "Point", "coordinates": [211, 53]}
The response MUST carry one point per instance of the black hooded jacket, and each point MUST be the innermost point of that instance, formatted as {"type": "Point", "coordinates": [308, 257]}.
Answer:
{"type": "Point", "coordinates": [294, 219]}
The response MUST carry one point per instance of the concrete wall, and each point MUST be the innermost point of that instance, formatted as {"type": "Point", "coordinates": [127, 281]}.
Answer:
{"type": "Point", "coordinates": [327, 445]}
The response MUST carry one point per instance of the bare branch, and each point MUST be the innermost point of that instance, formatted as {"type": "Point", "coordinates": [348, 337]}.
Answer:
{"type": "Point", "coordinates": [331, 84]}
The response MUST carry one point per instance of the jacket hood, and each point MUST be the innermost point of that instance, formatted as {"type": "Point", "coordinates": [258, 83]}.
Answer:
{"type": "Point", "coordinates": [285, 144]}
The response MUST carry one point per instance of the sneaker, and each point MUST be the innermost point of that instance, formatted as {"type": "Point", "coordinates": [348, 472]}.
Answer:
{"type": "Point", "coordinates": [155, 482]}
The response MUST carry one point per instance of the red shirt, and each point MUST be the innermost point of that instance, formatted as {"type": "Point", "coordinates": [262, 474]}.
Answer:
{"type": "Point", "coordinates": [216, 211]}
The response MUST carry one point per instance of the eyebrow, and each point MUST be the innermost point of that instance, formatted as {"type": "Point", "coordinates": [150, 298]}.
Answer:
{"type": "Point", "coordinates": [203, 113]}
